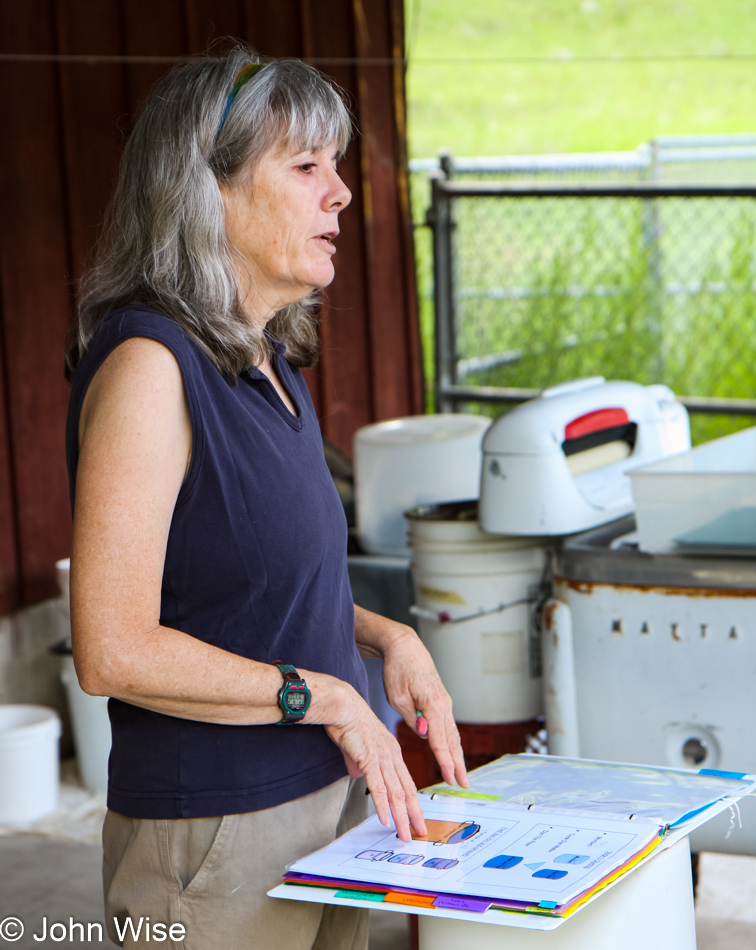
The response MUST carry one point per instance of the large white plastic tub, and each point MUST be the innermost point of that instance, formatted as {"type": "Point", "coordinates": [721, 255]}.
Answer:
{"type": "Point", "coordinates": [692, 501]}
{"type": "Point", "coordinates": [29, 763]}
{"type": "Point", "coordinates": [412, 461]}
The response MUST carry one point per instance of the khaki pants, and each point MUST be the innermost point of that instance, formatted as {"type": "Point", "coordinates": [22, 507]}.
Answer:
{"type": "Point", "coordinates": [211, 876]}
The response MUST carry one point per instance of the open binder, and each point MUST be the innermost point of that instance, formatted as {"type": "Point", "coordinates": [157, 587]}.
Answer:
{"type": "Point", "coordinates": [532, 841]}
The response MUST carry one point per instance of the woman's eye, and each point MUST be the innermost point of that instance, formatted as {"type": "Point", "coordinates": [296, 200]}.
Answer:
{"type": "Point", "coordinates": [307, 167]}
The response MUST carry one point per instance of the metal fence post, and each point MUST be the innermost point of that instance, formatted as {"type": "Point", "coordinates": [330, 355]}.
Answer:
{"type": "Point", "coordinates": [440, 220]}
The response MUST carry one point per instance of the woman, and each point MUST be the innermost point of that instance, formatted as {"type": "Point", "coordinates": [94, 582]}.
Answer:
{"type": "Point", "coordinates": [209, 544]}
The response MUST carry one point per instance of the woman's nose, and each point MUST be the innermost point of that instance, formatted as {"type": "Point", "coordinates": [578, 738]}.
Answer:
{"type": "Point", "coordinates": [339, 195]}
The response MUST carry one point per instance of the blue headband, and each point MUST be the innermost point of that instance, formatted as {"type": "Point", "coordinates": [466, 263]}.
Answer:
{"type": "Point", "coordinates": [243, 77]}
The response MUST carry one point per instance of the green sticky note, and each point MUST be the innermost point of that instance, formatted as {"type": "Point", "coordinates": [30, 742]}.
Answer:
{"type": "Point", "coordinates": [466, 793]}
{"type": "Point", "coordinates": [360, 895]}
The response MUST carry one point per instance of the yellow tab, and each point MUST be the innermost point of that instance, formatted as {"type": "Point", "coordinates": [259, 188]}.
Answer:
{"type": "Point", "coordinates": [441, 596]}
{"type": "Point", "coordinates": [414, 900]}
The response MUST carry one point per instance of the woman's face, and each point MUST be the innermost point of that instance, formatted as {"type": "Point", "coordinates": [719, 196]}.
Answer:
{"type": "Point", "coordinates": [284, 221]}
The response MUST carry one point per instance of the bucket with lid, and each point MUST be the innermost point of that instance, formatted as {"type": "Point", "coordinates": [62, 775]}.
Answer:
{"type": "Point", "coordinates": [29, 763]}
{"type": "Point", "coordinates": [474, 599]}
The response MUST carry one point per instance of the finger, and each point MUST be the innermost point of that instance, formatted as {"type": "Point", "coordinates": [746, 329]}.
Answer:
{"type": "Point", "coordinates": [457, 754]}
{"type": "Point", "coordinates": [379, 795]}
{"type": "Point", "coordinates": [398, 801]}
{"type": "Point", "coordinates": [415, 815]}
{"type": "Point", "coordinates": [407, 709]}
{"type": "Point", "coordinates": [447, 749]}
{"type": "Point", "coordinates": [411, 801]}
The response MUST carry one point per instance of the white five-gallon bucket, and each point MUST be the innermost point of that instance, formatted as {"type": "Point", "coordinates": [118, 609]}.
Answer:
{"type": "Point", "coordinates": [89, 714]}
{"type": "Point", "coordinates": [29, 763]}
{"type": "Point", "coordinates": [91, 729]}
{"type": "Point", "coordinates": [488, 658]}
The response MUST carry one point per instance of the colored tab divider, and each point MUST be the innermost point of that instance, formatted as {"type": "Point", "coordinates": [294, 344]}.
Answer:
{"type": "Point", "coordinates": [718, 773]}
{"type": "Point", "coordinates": [360, 895]}
{"type": "Point", "coordinates": [466, 793]}
{"type": "Point", "coordinates": [449, 902]}
{"type": "Point", "coordinates": [412, 900]}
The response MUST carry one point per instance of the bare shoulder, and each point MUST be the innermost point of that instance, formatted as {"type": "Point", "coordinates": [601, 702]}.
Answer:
{"type": "Point", "coordinates": [139, 380]}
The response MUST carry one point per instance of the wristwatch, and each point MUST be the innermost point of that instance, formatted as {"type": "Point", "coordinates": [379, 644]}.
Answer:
{"type": "Point", "coordinates": [293, 697]}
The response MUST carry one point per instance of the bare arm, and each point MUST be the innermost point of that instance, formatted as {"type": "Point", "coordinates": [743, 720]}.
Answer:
{"type": "Point", "coordinates": [135, 447]}
{"type": "Point", "coordinates": [412, 683]}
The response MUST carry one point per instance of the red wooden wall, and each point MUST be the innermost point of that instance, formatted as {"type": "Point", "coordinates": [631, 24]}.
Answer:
{"type": "Point", "coordinates": [72, 73]}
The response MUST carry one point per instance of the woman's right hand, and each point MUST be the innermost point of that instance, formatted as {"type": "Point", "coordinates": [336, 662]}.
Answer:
{"type": "Point", "coordinates": [369, 749]}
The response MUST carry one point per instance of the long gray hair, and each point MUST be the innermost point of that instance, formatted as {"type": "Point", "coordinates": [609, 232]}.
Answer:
{"type": "Point", "coordinates": [164, 240]}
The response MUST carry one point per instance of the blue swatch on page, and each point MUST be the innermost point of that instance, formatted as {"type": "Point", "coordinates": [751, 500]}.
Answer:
{"type": "Point", "coordinates": [571, 859]}
{"type": "Point", "coordinates": [503, 861]}
{"type": "Point", "coordinates": [550, 874]}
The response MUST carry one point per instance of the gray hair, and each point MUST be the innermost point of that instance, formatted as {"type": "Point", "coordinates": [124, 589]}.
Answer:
{"type": "Point", "coordinates": [164, 240]}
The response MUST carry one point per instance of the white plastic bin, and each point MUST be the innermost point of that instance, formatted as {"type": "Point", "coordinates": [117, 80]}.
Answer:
{"type": "Point", "coordinates": [29, 763]}
{"type": "Point", "coordinates": [412, 461]}
{"type": "Point", "coordinates": [702, 501]}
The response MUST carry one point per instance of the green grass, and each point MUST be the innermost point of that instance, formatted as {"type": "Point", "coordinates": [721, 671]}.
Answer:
{"type": "Point", "coordinates": [461, 98]}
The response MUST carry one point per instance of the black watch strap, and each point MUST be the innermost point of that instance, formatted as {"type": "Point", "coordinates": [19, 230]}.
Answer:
{"type": "Point", "coordinates": [294, 696]}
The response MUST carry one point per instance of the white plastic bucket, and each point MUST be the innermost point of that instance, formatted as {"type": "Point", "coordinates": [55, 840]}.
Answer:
{"type": "Point", "coordinates": [62, 575]}
{"type": "Point", "coordinates": [489, 663]}
{"type": "Point", "coordinates": [89, 714]}
{"type": "Point", "coordinates": [29, 763]}
{"type": "Point", "coordinates": [91, 729]}
{"type": "Point", "coordinates": [412, 461]}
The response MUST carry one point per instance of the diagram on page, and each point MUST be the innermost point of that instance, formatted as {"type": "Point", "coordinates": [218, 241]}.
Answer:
{"type": "Point", "coordinates": [487, 851]}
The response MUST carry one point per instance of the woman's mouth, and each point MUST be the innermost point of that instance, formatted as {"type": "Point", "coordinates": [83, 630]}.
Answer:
{"type": "Point", "coordinates": [327, 240]}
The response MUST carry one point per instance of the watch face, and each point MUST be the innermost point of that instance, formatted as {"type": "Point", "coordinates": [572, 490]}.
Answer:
{"type": "Point", "coordinates": [296, 701]}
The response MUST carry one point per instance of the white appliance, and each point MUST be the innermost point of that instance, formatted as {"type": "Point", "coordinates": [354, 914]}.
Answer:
{"type": "Point", "coordinates": [663, 651]}
{"type": "Point", "coordinates": [556, 465]}
{"type": "Point", "coordinates": [649, 656]}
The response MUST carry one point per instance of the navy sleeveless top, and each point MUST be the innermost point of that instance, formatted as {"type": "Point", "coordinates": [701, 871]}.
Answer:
{"type": "Point", "coordinates": [255, 564]}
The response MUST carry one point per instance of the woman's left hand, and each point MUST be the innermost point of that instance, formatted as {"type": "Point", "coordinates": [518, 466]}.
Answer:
{"type": "Point", "coordinates": [413, 685]}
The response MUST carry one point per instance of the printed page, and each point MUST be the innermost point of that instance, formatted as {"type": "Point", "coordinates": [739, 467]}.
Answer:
{"type": "Point", "coordinates": [666, 795]}
{"type": "Point", "coordinates": [486, 851]}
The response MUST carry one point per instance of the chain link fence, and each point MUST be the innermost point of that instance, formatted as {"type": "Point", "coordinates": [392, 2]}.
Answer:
{"type": "Point", "coordinates": [536, 283]}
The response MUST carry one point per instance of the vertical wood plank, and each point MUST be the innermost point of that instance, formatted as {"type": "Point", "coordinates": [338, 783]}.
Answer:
{"type": "Point", "coordinates": [391, 343]}
{"type": "Point", "coordinates": [93, 99]}
{"type": "Point", "coordinates": [274, 29]}
{"type": "Point", "coordinates": [35, 288]}
{"type": "Point", "coordinates": [210, 24]}
{"type": "Point", "coordinates": [346, 386]}
{"type": "Point", "coordinates": [151, 28]}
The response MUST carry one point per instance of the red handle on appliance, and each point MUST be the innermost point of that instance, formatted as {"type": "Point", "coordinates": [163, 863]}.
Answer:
{"type": "Point", "coordinates": [595, 421]}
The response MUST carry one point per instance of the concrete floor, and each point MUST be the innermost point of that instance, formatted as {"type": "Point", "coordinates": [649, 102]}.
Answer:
{"type": "Point", "coordinates": [58, 879]}
{"type": "Point", "coordinates": [54, 872]}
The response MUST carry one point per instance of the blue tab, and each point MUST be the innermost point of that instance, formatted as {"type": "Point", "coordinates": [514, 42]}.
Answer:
{"type": "Point", "coordinates": [548, 905]}
{"type": "Point", "coordinates": [717, 773]}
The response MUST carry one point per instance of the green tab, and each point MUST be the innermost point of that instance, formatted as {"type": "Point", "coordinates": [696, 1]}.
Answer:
{"type": "Point", "coordinates": [360, 895]}
{"type": "Point", "coordinates": [466, 793]}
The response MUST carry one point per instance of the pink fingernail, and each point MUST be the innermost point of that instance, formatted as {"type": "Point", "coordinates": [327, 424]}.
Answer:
{"type": "Point", "coordinates": [422, 725]}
